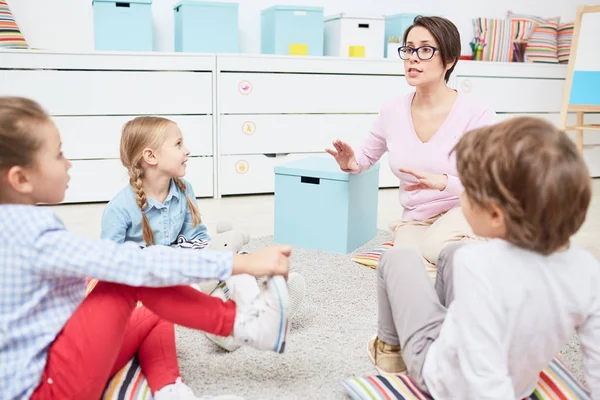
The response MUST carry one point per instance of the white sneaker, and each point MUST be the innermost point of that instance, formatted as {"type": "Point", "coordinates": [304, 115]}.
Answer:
{"type": "Point", "coordinates": [264, 323]}
{"type": "Point", "coordinates": [175, 391]}
{"type": "Point", "coordinates": [226, 342]}
{"type": "Point", "coordinates": [297, 288]}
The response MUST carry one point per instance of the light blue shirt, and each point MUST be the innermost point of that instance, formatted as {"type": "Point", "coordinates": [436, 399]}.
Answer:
{"type": "Point", "coordinates": [122, 218]}
{"type": "Point", "coordinates": [43, 271]}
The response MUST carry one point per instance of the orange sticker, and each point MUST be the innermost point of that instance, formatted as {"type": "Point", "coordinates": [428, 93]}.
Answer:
{"type": "Point", "coordinates": [242, 166]}
{"type": "Point", "coordinates": [248, 128]}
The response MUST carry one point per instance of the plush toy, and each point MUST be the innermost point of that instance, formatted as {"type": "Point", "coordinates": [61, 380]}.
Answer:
{"type": "Point", "coordinates": [228, 239]}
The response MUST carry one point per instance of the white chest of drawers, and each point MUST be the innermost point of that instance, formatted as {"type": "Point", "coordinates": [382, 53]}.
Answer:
{"type": "Point", "coordinates": [243, 114]}
{"type": "Point", "coordinates": [91, 96]}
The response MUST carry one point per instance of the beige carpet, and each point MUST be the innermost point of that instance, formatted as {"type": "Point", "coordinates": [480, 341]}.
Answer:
{"type": "Point", "coordinates": [327, 342]}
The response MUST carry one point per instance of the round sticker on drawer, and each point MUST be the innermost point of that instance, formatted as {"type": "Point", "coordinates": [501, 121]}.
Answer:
{"type": "Point", "coordinates": [466, 85]}
{"type": "Point", "coordinates": [249, 128]}
{"type": "Point", "coordinates": [245, 87]}
{"type": "Point", "coordinates": [241, 166]}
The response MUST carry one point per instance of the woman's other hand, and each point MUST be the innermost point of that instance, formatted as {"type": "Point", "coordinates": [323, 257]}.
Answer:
{"type": "Point", "coordinates": [426, 180]}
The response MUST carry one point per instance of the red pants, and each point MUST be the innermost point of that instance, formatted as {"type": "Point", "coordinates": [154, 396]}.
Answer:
{"type": "Point", "coordinates": [107, 329]}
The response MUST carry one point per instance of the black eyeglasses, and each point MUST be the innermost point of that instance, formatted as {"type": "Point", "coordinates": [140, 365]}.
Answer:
{"type": "Point", "coordinates": [423, 52]}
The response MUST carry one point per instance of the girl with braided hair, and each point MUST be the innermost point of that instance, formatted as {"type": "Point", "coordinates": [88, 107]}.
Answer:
{"type": "Point", "coordinates": [159, 207]}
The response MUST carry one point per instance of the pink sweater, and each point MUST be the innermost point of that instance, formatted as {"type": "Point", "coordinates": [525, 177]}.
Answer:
{"type": "Point", "coordinates": [393, 132]}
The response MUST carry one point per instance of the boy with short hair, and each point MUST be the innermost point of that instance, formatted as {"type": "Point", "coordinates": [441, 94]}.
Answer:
{"type": "Point", "coordinates": [501, 309]}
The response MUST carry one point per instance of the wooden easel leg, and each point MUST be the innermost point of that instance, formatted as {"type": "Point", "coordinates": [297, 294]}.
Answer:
{"type": "Point", "coordinates": [580, 132]}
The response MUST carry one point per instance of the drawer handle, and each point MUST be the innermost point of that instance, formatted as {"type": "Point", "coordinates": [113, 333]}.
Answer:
{"type": "Point", "coordinates": [363, 26]}
{"type": "Point", "coordinates": [126, 5]}
{"type": "Point", "coordinates": [275, 155]}
{"type": "Point", "coordinates": [310, 180]}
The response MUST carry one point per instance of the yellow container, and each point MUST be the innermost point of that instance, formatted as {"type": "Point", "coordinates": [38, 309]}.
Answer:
{"type": "Point", "coordinates": [297, 49]}
{"type": "Point", "coordinates": [357, 51]}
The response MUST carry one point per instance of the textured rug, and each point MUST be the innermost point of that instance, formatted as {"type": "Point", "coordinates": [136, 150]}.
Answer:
{"type": "Point", "coordinates": [327, 341]}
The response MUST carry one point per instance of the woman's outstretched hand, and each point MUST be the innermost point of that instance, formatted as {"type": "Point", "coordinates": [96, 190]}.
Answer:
{"type": "Point", "coordinates": [344, 155]}
{"type": "Point", "coordinates": [426, 180]}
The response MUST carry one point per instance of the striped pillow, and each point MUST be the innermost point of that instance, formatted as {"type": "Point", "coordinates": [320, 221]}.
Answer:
{"type": "Point", "coordinates": [542, 46]}
{"type": "Point", "coordinates": [499, 36]}
{"type": "Point", "coordinates": [556, 383]}
{"type": "Point", "coordinates": [565, 36]}
{"type": "Point", "coordinates": [10, 35]}
{"type": "Point", "coordinates": [371, 258]}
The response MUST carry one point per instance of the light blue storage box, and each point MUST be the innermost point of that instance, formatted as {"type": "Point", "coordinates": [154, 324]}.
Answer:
{"type": "Point", "coordinates": [317, 206]}
{"type": "Point", "coordinates": [123, 25]}
{"type": "Point", "coordinates": [292, 30]}
{"type": "Point", "coordinates": [206, 27]}
{"type": "Point", "coordinates": [395, 25]}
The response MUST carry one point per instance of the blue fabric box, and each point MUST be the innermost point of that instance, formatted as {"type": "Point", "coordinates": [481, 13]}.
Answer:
{"type": "Point", "coordinates": [206, 27]}
{"type": "Point", "coordinates": [395, 25]}
{"type": "Point", "coordinates": [289, 29]}
{"type": "Point", "coordinates": [317, 206]}
{"type": "Point", "coordinates": [123, 25]}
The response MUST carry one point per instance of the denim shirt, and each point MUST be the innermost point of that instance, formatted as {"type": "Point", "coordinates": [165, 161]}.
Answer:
{"type": "Point", "coordinates": [122, 218]}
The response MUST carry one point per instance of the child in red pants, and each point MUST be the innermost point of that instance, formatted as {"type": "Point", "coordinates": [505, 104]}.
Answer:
{"type": "Point", "coordinates": [55, 343]}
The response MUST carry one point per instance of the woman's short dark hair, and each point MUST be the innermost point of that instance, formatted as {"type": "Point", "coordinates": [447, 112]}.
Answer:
{"type": "Point", "coordinates": [446, 35]}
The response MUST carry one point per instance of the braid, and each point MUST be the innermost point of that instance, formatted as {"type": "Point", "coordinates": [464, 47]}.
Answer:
{"type": "Point", "coordinates": [136, 181]}
{"type": "Point", "coordinates": [193, 210]}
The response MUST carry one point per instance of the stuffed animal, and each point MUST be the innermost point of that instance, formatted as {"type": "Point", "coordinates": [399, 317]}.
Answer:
{"type": "Point", "coordinates": [228, 239]}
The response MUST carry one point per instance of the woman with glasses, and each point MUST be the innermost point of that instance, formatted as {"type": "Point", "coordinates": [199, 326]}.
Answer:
{"type": "Point", "coordinates": [419, 131]}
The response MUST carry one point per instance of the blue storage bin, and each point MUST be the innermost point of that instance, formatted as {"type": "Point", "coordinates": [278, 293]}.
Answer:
{"type": "Point", "coordinates": [395, 25]}
{"type": "Point", "coordinates": [292, 30]}
{"type": "Point", "coordinates": [317, 206]}
{"type": "Point", "coordinates": [206, 27]}
{"type": "Point", "coordinates": [123, 25]}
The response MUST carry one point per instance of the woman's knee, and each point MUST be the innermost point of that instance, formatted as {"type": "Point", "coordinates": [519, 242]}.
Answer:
{"type": "Point", "coordinates": [399, 258]}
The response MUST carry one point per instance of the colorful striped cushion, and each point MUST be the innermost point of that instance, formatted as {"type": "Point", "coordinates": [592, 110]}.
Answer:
{"type": "Point", "coordinates": [371, 258]}
{"type": "Point", "coordinates": [565, 36]}
{"type": "Point", "coordinates": [532, 18]}
{"type": "Point", "coordinates": [499, 36]}
{"type": "Point", "coordinates": [556, 383]}
{"type": "Point", "coordinates": [10, 34]}
{"type": "Point", "coordinates": [542, 46]}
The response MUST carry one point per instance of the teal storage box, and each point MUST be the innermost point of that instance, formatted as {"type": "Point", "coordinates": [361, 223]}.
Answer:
{"type": "Point", "coordinates": [206, 27]}
{"type": "Point", "coordinates": [395, 25]}
{"type": "Point", "coordinates": [123, 25]}
{"type": "Point", "coordinates": [292, 30]}
{"type": "Point", "coordinates": [317, 206]}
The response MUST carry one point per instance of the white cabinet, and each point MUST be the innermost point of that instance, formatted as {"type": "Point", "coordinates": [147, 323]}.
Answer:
{"type": "Point", "coordinates": [241, 115]}
{"type": "Point", "coordinates": [91, 96]}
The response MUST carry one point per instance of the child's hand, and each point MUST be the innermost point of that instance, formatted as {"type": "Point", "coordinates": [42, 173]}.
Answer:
{"type": "Point", "coordinates": [266, 262]}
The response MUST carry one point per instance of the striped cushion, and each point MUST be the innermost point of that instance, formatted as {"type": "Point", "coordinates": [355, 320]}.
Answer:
{"type": "Point", "coordinates": [371, 258]}
{"type": "Point", "coordinates": [10, 35]}
{"type": "Point", "coordinates": [565, 36]}
{"type": "Point", "coordinates": [499, 36]}
{"type": "Point", "coordinates": [542, 46]}
{"type": "Point", "coordinates": [556, 383]}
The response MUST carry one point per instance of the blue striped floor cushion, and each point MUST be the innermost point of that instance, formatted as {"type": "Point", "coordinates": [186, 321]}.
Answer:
{"type": "Point", "coordinates": [556, 383]}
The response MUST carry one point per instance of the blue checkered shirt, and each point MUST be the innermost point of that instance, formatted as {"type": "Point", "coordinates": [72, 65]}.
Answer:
{"type": "Point", "coordinates": [43, 271]}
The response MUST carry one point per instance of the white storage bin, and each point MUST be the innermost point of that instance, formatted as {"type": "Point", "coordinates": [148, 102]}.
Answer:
{"type": "Point", "coordinates": [354, 36]}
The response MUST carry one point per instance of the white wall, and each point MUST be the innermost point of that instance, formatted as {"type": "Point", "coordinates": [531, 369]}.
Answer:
{"type": "Point", "coordinates": [68, 24]}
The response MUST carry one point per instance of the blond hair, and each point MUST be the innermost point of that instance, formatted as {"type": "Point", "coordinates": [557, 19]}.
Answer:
{"type": "Point", "coordinates": [138, 134]}
{"type": "Point", "coordinates": [534, 173]}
